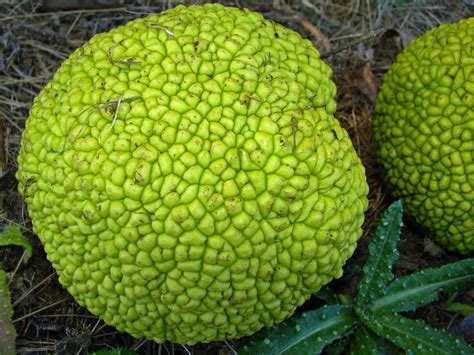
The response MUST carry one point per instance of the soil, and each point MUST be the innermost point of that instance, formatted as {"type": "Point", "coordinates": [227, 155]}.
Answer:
{"type": "Point", "coordinates": [359, 40]}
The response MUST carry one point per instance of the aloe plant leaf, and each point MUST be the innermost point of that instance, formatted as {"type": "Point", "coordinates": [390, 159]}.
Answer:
{"type": "Point", "coordinates": [7, 330]}
{"type": "Point", "coordinates": [414, 336]}
{"type": "Point", "coordinates": [366, 342]}
{"type": "Point", "coordinates": [410, 292]}
{"type": "Point", "coordinates": [12, 235]}
{"type": "Point", "coordinates": [307, 333]}
{"type": "Point", "coordinates": [382, 254]}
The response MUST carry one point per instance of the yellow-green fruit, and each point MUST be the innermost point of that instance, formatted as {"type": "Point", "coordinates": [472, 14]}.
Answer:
{"type": "Point", "coordinates": [424, 132]}
{"type": "Point", "coordinates": [187, 177]}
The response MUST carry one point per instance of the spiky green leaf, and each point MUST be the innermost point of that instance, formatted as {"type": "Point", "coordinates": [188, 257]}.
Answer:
{"type": "Point", "coordinates": [410, 292]}
{"type": "Point", "coordinates": [365, 342]}
{"type": "Point", "coordinates": [306, 333]}
{"type": "Point", "coordinates": [7, 330]}
{"type": "Point", "coordinates": [464, 309]}
{"type": "Point", "coordinates": [382, 254]}
{"type": "Point", "coordinates": [12, 235]}
{"type": "Point", "coordinates": [414, 336]}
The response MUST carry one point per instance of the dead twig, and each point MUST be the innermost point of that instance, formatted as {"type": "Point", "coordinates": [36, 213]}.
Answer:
{"type": "Point", "coordinates": [366, 37]}
{"type": "Point", "coordinates": [61, 13]}
{"type": "Point", "coordinates": [30, 290]}
{"type": "Point", "coordinates": [41, 309]}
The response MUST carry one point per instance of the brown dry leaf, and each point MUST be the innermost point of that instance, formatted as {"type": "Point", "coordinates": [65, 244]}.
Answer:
{"type": "Point", "coordinates": [405, 36]}
{"type": "Point", "coordinates": [367, 83]}
{"type": "Point", "coordinates": [367, 53]}
{"type": "Point", "coordinates": [360, 75]}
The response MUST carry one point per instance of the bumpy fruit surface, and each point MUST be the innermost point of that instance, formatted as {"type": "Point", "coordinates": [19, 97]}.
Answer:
{"type": "Point", "coordinates": [424, 132]}
{"type": "Point", "coordinates": [187, 177]}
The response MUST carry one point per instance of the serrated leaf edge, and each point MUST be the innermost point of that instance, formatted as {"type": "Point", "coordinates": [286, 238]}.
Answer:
{"type": "Point", "coordinates": [12, 235]}
{"type": "Point", "coordinates": [341, 310]}
{"type": "Point", "coordinates": [431, 290]}
{"type": "Point", "coordinates": [374, 318]}
{"type": "Point", "coordinates": [368, 283]}
{"type": "Point", "coordinates": [328, 325]}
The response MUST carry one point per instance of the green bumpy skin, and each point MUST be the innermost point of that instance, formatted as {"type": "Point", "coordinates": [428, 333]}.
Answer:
{"type": "Point", "coordinates": [187, 178]}
{"type": "Point", "coordinates": [424, 132]}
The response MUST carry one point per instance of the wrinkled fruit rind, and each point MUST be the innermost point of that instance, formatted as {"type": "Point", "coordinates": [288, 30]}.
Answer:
{"type": "Point", "coordinates": [186, 176]}
{"type": "Point", "coordinates": [424, 132]}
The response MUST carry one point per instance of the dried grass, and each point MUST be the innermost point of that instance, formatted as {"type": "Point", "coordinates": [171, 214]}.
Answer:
{"type": "Point", "coordinates": [35, 43]}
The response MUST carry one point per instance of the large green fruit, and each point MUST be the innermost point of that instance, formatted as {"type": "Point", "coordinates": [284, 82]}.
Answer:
{"type": "Point", "coordinates": [187, 177]}
{"type": "Point", "coordinates": [424, 132]}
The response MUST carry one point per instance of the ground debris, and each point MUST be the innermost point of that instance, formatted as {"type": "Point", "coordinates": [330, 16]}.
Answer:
{"type": "Point", "coordinates": [29, 57]}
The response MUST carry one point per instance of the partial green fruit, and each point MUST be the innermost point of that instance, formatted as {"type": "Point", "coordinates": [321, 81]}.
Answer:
{"type": "Point", "coordinates": [187, 177]}
{"type": "Point", "coordinates": [424, 132]}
